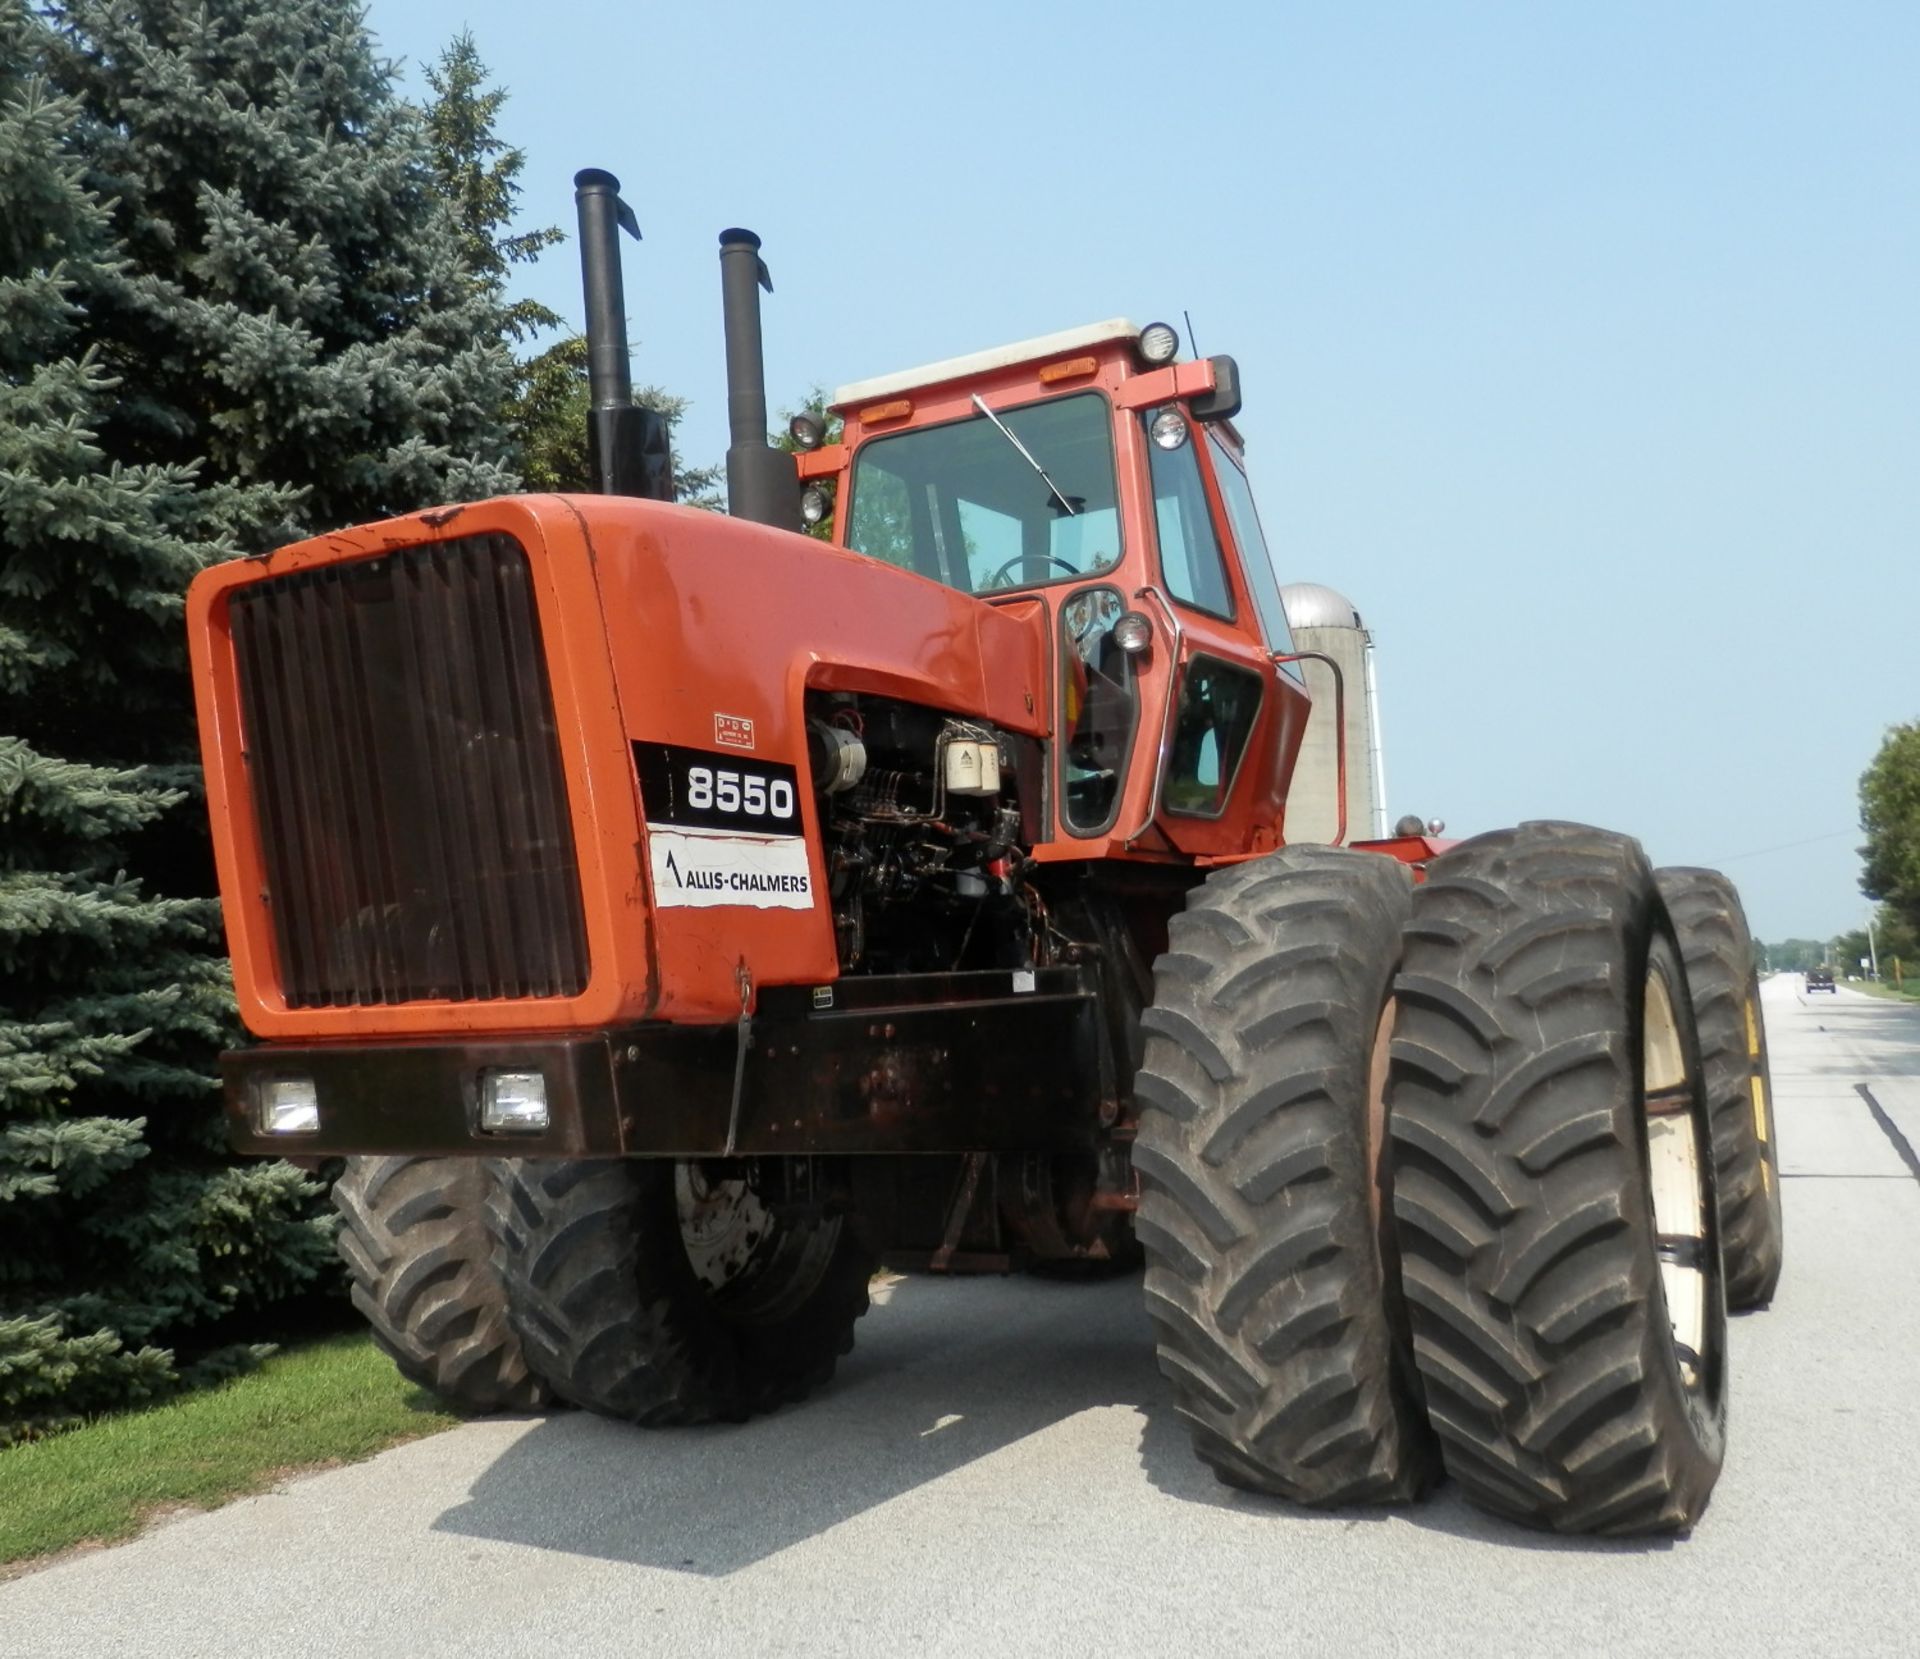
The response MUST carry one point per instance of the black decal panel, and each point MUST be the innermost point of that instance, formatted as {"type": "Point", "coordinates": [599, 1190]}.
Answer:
{"type": "Point", "coordinates": [705, 789]}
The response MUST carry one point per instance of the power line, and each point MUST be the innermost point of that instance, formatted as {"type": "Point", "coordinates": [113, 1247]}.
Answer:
{"type": "Point", "coordinates": [1785, 846]}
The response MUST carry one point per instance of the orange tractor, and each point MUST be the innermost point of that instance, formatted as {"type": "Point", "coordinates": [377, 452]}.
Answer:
{"type": "Point", "coordinates": [667, 914]}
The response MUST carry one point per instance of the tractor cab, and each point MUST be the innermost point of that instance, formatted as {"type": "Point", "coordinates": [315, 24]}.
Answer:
{"type": "Point", "coordinates": [1089, 478]}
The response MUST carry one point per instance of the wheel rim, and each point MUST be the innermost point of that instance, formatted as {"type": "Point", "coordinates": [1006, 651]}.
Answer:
{"type": "Point", "coordinates": [755, 1267]}
{"type": "Point", "coordinates": [1378, 1071]}
{"type": "Point", "coordinates": [1762, 1105]}
{"type": "Point", "coordinates": [722, 1225]}
{"type": "Point", "coordinates": [1677, 1153]}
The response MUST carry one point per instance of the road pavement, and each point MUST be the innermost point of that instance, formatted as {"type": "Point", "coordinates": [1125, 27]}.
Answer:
{"type": "Point", "coordinates": [997, 1471]}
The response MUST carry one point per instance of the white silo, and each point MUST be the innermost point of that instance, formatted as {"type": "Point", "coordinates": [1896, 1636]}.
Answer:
{"type": "Point", "coordinates": [1323, 620]}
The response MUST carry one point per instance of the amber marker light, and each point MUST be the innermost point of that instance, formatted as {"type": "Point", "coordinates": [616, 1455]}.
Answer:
{"type": "Point", "coordinates": [897, 410]}
{"type": "Point", "coordinates": [1071, 368]}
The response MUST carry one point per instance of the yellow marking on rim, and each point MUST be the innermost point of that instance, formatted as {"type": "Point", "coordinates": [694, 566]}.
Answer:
{"type": "Point", "coordinates": [1763, 1131]}
{"type": "Point", "coordinates": [1753, 1031]}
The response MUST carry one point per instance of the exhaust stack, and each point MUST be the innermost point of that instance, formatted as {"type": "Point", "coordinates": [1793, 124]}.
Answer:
{"type": "Point", "coordinates": [627, 447]}
{"type": "Point", "coordinates": [763, 484]}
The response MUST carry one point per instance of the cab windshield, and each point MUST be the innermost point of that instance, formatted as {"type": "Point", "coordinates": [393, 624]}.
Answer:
{"type": "Point", "coordinates": [962, 504]}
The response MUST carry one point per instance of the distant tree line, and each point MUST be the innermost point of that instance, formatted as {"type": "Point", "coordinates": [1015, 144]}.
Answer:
{"type": "Point", "coordinates": [1890, 815]}
{"type": "Point", "coordinates": [1890, 871]}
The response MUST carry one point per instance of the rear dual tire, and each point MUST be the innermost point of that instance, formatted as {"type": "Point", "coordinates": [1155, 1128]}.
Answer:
{"type": "Point", "coordinates": [1724, 983]}
{"type": "Point", "coordinates": [1553, 1186]}
{"type": "Point", "coordinates": [1269, 1259]}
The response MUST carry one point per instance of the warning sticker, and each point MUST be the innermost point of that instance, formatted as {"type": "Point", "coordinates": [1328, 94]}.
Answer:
{"type": "Point", "coordinates": [703, 867]}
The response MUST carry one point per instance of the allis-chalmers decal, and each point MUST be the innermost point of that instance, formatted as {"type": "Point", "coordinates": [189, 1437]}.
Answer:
{"type": "Point", "coordinates": [722, 830]}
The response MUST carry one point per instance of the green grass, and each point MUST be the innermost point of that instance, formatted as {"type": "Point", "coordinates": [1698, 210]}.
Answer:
{"type": "Point", "coordinates": [1910, 992]}
{"type": "Point", "coordinates": [331, 1401]}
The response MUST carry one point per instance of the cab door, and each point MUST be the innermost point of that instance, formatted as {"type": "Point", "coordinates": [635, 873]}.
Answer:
{"type": "Point", "coordinates": [1236, 717]}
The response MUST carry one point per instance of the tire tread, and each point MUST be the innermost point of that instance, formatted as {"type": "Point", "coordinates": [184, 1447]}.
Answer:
{"type": "Point", "coordinates": [414, 1239]}
{"type": "Point", "coordinates": [1271, 1299]}
{"type": "Point", "coordinates": [1525, 1233]}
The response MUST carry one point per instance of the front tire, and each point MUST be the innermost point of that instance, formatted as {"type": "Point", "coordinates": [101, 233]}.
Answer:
{"type": "Point", "coordinates": [1725, 987]}
{"type": "Point", "coordinates": [414, 1237]}
{"type": "Point", "coordinates": [642, 1290]}
{"type": "Point", "coordinates": [1553, 1186]}
{"type": "Point", "coordinates": [1270, 1279]}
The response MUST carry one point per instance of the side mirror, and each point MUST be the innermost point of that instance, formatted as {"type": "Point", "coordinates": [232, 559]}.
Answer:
{"type": "Point", "coordinates": [1223, 402]}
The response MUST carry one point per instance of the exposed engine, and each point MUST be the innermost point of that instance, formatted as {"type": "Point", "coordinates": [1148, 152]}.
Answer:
{"type": "Point", "coordinates": [928, 818]}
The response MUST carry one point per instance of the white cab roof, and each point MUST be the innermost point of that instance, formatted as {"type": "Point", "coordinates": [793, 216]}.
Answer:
{"type": "Point", "coordinates": [981, 362]}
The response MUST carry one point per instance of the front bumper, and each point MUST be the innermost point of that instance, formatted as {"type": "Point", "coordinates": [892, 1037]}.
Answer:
{"type": "Point", "coordinates": [915, 1063]}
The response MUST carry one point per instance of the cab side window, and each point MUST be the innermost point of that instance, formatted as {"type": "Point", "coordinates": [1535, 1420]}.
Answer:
{"type": "Point", "coordinates": [1261, 581]}
{"type": "Point", "coordinates": [1218, 705]}
{"type": "Point", "coordinates": [1190, 558]}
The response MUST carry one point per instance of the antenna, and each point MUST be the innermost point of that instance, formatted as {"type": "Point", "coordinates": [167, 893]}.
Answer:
{"type": "Point", "coordinates": [1186, 317]}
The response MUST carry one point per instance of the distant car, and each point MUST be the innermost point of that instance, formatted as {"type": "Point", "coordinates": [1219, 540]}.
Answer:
{"type": "Point", "coordinates": [1821, 979]}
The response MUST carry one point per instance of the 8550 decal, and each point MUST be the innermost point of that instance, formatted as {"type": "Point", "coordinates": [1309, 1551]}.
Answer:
{"type": "Point", "coordinates": [699, 789]}
{"type": "Point", "coordinates": [722, 830]}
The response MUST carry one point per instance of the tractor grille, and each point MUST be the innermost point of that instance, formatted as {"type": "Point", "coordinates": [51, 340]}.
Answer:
{"type": "Point", "coordinates": [406, 774]}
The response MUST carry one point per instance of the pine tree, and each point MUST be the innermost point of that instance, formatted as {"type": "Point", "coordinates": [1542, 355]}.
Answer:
{"type": "Point", "coordinates": [478, 173]}
{"type": "Point", "coordinates": [296, 312]}
{"type": "Point", "coordinates": [232, 312]}
{"type": "Point", "coordinates": [110, 997]}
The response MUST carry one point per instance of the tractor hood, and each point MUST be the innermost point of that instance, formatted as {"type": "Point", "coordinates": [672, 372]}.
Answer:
{"type": "Point", "coordinates": [428, 740]}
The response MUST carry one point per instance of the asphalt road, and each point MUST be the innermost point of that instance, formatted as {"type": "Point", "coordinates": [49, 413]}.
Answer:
{"type": "Point", "coordinates": [996, 1471]}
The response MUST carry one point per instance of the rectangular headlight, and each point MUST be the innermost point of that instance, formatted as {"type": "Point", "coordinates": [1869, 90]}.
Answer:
{"type": "Point", "coordinates": [289, 1106]}
{"type": "Point", "coordinates": [512, 1101]}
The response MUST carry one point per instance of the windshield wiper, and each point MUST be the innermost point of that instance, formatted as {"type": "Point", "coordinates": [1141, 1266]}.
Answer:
{"type": "Point", "coordinates": [1025, 454]}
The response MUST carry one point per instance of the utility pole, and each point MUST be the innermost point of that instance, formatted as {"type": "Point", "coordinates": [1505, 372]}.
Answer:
{"type": "Point", "coordinates": [1873, 950]}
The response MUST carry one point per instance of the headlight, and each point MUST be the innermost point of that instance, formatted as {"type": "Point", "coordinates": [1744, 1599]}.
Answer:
{"type": "Point", "coordinates": [1133, 633]}
{"type": "Point", "coordinates": [814, 504]}
{"type": "Point", "coordinates": [289, 1106]}
{"type": "Point", "coordinates": [1159, 343]}
{"type": "Point", "coordinates": [807, 430]}
{"type": "Point", "coordinates": [1169, 429]}
{"type": "Point", "coordinates": [513, 1102]}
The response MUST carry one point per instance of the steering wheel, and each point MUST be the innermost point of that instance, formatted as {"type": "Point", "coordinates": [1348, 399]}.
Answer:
{"type": "Point", "coordinates": [999, 577]}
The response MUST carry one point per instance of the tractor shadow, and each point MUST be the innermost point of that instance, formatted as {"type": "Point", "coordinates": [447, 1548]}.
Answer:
{"type": "Point", "coordinates": [944, 1373]}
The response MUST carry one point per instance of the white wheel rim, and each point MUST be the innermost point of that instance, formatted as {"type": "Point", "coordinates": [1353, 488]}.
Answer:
{"type": "Point", "coordinates": [1676, 1158]}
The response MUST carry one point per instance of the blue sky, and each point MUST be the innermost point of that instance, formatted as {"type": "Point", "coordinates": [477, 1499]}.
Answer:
{"type": "Point", "coordinates": [1579, 342]}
